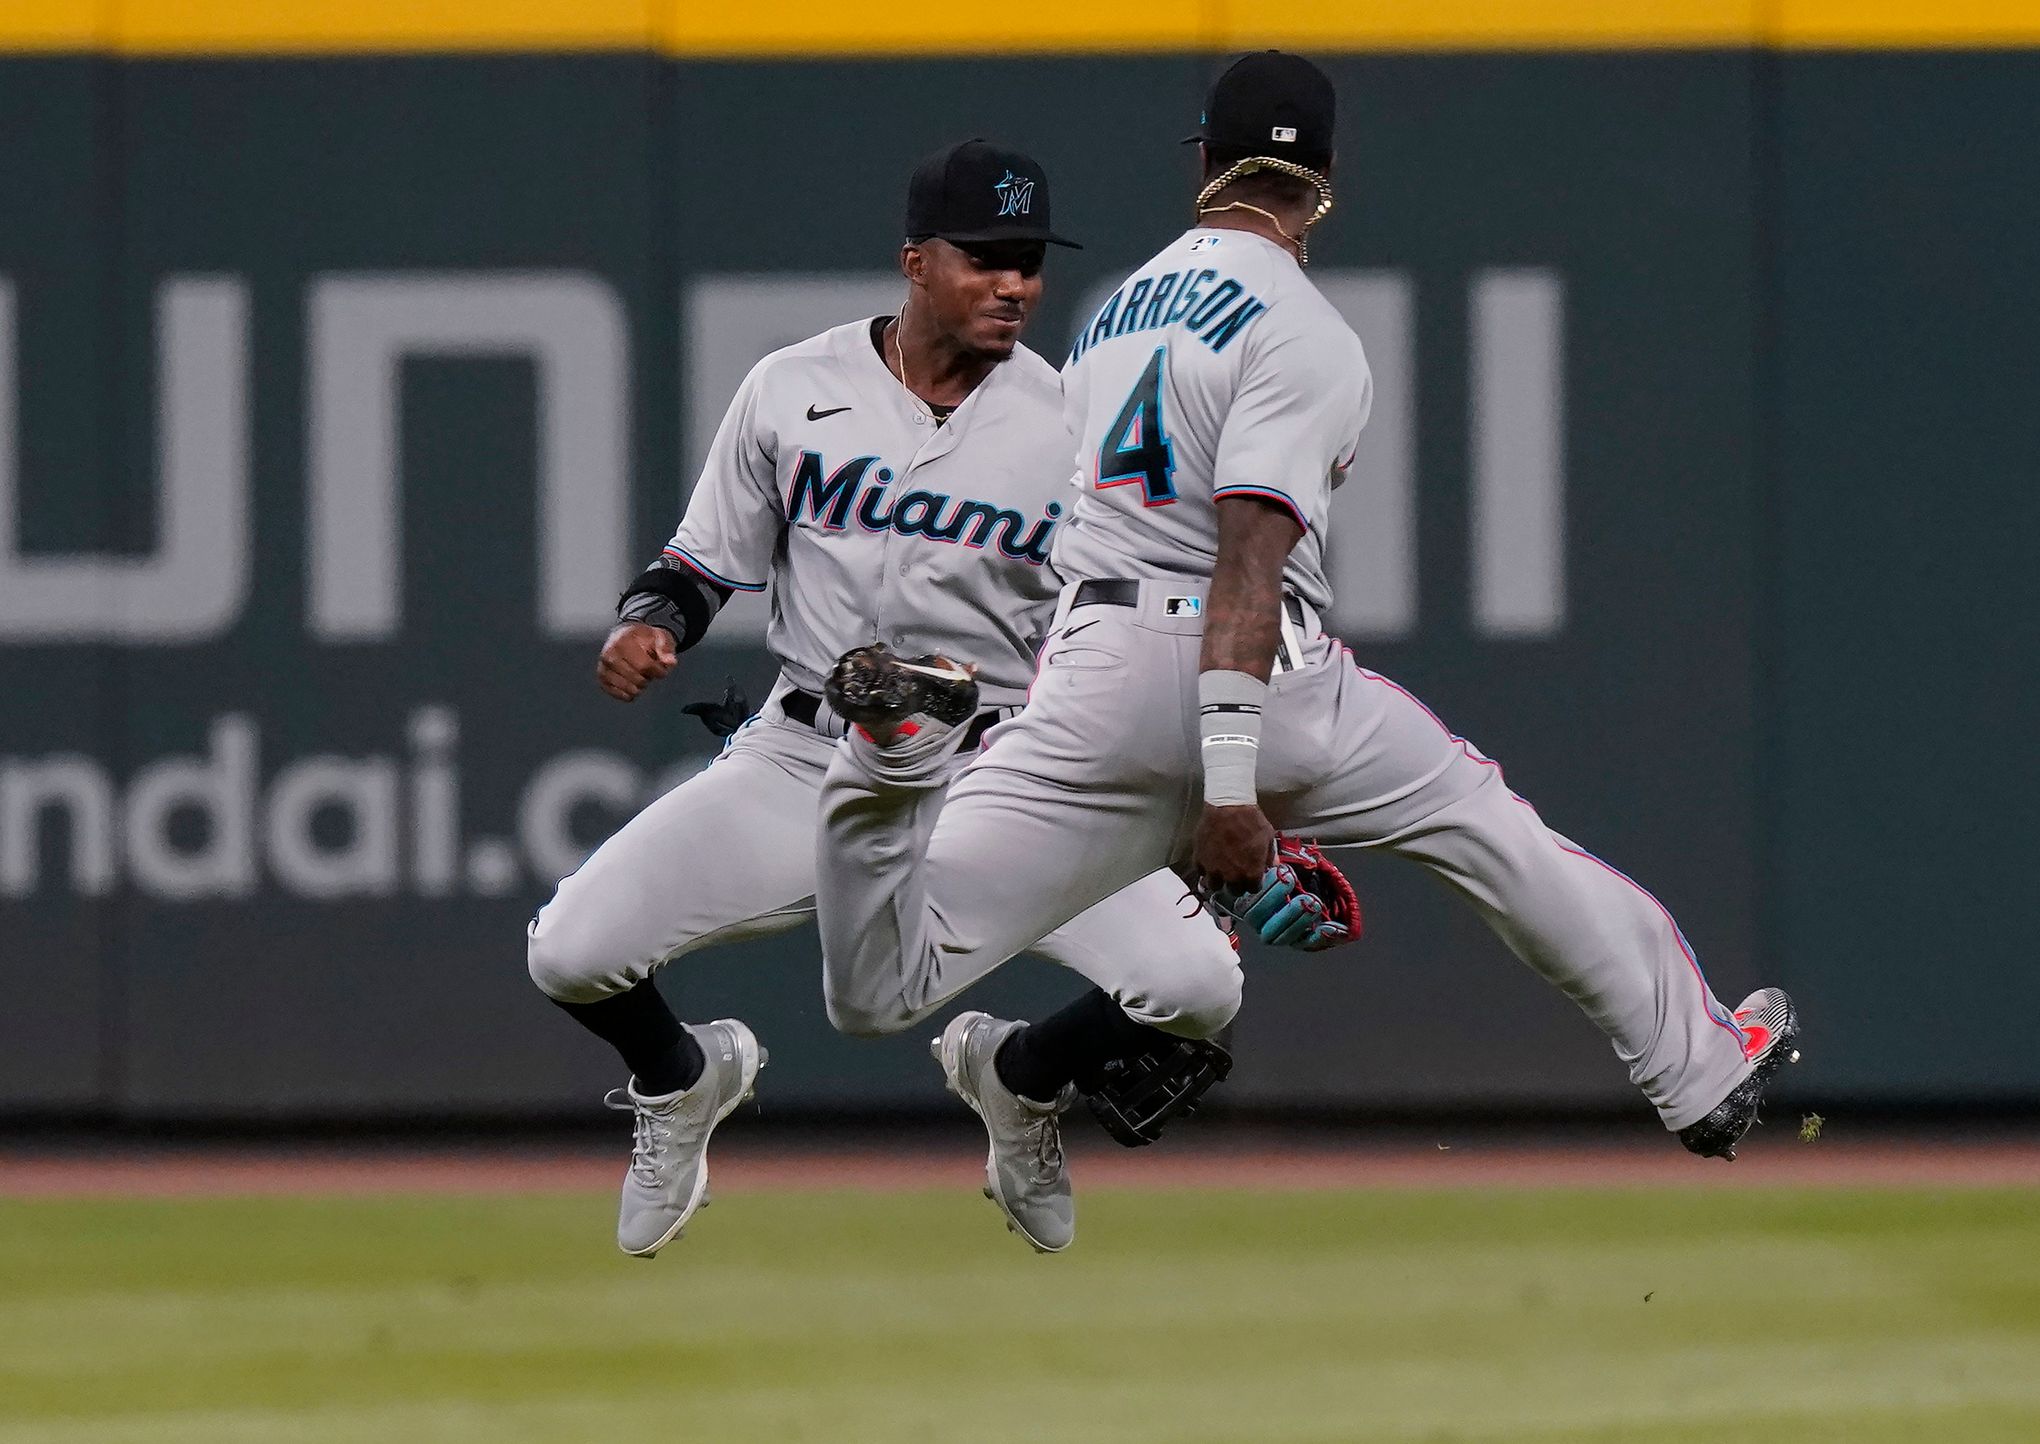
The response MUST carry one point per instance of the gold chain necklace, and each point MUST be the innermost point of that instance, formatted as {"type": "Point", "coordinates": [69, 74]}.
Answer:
{"type": "Point", "coordinates": [1301, 240]}
{"type": "Point", "coordinates": [1269, 216]}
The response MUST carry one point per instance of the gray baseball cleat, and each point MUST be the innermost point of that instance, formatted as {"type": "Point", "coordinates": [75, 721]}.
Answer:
{"type": "Point", "coordinates": [1770, 1027]}
{"type": "Point", "coordinates": [1025, 1172]}
{"type": "Point", "coordinates": [668, 1177]}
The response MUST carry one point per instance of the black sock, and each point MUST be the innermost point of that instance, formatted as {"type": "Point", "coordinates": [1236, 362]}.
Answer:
{"type": "Point", "coordinates": [662, 1056]}
{"type": "Point", "coordinates": [1071, 1046]}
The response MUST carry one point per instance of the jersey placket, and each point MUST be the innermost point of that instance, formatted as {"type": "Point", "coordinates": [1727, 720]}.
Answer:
{"type": "Point", "coordinates": [896, 556]}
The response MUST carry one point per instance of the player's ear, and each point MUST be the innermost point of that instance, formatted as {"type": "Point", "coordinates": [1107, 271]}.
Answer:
{"type": "Point", "coordinates": [913, 263]}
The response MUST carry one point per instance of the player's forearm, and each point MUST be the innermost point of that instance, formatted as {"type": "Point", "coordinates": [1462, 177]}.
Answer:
{"type": "Point", "coordinates": [670, 596]}
{"type": "Point", "coordinates": [1242, 615]}
{"type": "Point", "coordinates": [1242, 626]}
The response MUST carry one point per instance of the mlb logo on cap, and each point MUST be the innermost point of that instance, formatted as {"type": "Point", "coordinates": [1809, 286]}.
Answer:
{"type": "Point", "coordinates": [1270, 98]}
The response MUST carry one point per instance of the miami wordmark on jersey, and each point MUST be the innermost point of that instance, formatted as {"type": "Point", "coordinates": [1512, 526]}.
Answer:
{"type": "Point", "coordinates": [867, 521]}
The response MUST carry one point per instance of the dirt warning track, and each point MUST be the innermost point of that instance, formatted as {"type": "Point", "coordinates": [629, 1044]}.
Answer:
{"type": "Point", "coordinates": [1779, 1161]}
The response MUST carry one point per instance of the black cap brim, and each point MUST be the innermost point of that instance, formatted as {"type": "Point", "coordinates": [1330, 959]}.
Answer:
{"type": "Point", "coordinates": [986, 238]}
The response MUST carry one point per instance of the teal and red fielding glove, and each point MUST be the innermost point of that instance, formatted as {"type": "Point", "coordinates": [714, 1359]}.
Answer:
{"type": "Point", "coordinates": [1302, 901]}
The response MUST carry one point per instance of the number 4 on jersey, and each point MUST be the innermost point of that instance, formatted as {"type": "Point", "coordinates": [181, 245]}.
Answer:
{"type": "Point", "coordinates": [1136, 448]}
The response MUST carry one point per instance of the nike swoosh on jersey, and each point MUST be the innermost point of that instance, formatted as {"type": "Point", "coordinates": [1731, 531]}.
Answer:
{"type": "Point", "coordinates": [814, 415]}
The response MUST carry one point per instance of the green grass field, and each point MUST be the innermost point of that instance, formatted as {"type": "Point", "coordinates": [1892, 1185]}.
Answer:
{"type": "Point", "coordinates": [1181, 1317]}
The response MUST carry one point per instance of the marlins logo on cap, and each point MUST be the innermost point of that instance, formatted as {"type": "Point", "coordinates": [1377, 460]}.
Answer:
{"type": "Point", "coordinates": [1016, 195]}
{"type": "Point", "coordinates": [977, 193]}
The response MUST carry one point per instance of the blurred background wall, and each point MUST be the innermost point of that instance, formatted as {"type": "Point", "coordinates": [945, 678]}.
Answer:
{"type": "Point", "coordinates": [351, 358]}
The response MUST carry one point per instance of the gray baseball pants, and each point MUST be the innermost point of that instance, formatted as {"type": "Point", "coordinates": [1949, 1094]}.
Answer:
{"type": "Point", "coordinates": [1097, 783]}
{"type": "Point", "coordinates": [730, 854]}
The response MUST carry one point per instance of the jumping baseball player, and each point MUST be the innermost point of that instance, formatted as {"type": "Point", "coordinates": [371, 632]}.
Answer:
{"type": "Point", "coordinates": [1188, 702]}
{"type": "Point", "coordinates": [899, 478]}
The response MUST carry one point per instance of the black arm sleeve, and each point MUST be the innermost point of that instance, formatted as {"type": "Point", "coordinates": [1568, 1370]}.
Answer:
{"type": "Point", "coordinates": [681, 602]}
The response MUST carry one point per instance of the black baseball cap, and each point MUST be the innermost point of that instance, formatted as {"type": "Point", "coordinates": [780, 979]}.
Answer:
{"type": "Point", "coordinates": [1272, 103]}
{"type": "Point", "coordinates": [975, 191]}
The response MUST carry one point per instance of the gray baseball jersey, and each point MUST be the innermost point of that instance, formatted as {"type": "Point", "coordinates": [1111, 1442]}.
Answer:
{"type": "Point", "coordinates": [926, 537]}
{"type": "Point", "coordinates": [828, 485]}
{"type": "Point", "coordinates": [1216, 370]}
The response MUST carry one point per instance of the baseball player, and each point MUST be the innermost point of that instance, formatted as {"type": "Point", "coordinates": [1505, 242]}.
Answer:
{"type": "Point", "coordinates": [1188, 702]}
{"type": "Point", "coordinates": [900, 478]}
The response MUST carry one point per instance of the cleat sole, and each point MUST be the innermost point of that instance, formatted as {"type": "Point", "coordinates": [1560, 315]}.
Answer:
{"type": "Point", "coordinates": [1717, 1135]}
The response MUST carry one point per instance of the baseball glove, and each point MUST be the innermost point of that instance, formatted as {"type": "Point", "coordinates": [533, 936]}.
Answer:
{"type": "Point", "coordinates": [1134, 1097]}
{"type": "Point", "coordinates": [1302, 902]}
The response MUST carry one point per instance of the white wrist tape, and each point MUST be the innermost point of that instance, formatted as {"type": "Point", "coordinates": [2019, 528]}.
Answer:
{"type": "Point", "coordinates": [1229, 727]}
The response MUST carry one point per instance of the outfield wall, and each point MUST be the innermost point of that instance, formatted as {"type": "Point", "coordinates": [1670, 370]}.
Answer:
{"type": "Point", "coordinates": [340, 388]}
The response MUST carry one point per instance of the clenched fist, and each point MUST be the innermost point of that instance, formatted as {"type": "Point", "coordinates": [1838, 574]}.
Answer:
{"type": "Point", "coordinates": [1233, 846]}
{"type": "Point", "coordinates": [636, 654]}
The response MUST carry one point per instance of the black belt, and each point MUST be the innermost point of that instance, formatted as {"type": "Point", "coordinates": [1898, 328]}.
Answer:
{"type": "Point", "coordinates": [1125, 592]}
{"type": "Point", "coordinates": [1118, 592]}
{"type": "Point", "coordinates": [804, 707]}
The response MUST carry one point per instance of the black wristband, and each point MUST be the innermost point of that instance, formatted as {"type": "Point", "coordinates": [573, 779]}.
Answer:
{"type": "Point", "coordinates": [652, 610]}
{"type": "Point", "coordinates": [681, 602]}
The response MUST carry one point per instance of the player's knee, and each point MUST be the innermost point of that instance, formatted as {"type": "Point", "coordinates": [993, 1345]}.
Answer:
{"type": "Point", "coordinates": [1190, 1004]}
{"type": "Point", "coordinates": [1207, 1009]}
{"type": "Point", "coordinates": [1224, 1003]}
{"type": "Point", "coordinates": [564, 963]}
{"type": "Point", "coordinates": [865, 1012]}
{"type": "Point", "coordinates": [854, 1023]}
{"type": "Point", "coordinates": [861, 1018]}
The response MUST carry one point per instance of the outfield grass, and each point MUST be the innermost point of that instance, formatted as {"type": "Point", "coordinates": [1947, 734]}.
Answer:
{"type": "Point", "coordinates": [1217, 1318]}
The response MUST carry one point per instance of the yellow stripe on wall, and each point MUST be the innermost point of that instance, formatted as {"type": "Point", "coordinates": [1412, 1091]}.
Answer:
{"type": "Point", "coordinates": [795, 26]}
{"type": "Point", "coordinates": [709, 28]}
{"type": "Point", "coordinates": [285, 27]}
{"type": "Point", "coordinates": [1909, 24]}
{"type": "Point", "coordinates": [32, 25]}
